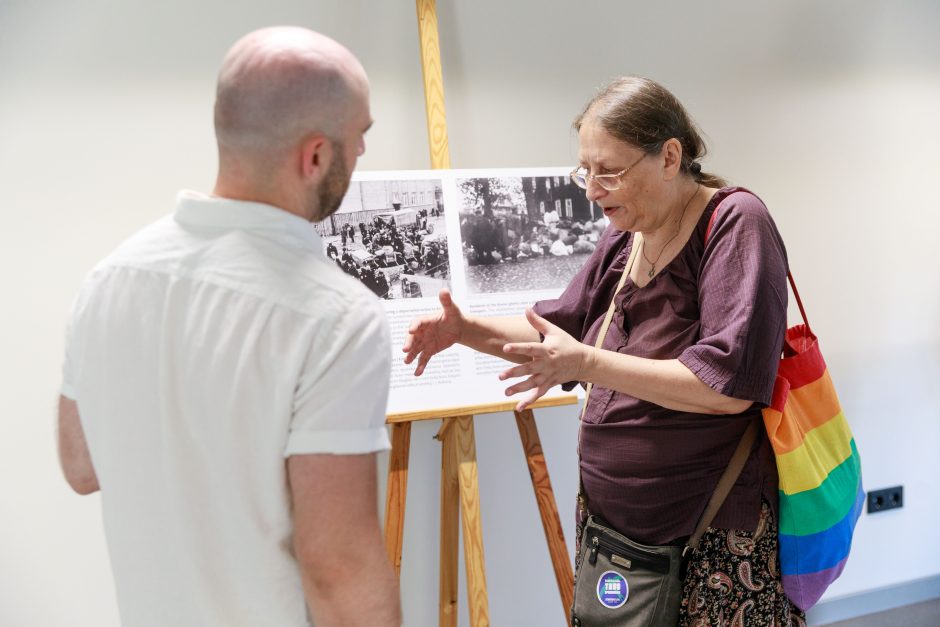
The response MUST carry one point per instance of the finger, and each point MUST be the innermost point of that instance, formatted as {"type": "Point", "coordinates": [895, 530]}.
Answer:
{"type": "Point", "coordinates": [412, 347]}
{"type": "Point", "coordinates": [447, 303]}
{"type": "Point", "coordinates": [517, 371]}
{"type": "Point", "coordinates": [531, 349]}
{"type": "Point", "coordinates": [523, 386]}
{"type": "Point", "coordinates": [417, 324]}
{"type": "Point", "coordinates": [530, 398]}
{"type": "Point", "coordinates": [423, 360]}
{"type": "Point", "coordinates": [445, 298]}
{"type": "Point", "coordinates": [538, 323]}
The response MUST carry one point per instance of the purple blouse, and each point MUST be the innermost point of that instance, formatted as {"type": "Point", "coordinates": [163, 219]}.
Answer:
{"type": "Point", "coordinates": [720, 309]}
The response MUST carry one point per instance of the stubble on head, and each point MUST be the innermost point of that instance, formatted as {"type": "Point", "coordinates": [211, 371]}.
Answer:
{"type": "Point", "coordinates": [277, 88]}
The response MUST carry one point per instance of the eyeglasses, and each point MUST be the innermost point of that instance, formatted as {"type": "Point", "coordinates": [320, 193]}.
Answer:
{"type": "Point", "coordinates": [610, 182]}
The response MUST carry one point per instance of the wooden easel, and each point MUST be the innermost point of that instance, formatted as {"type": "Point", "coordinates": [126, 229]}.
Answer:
{"type": "Point", "coordinates": [459, 488]}
{"type": "Point", "coordinates": [460, 492]}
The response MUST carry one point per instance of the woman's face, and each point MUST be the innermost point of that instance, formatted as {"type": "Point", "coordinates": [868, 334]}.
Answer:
{"type": "Point", "coordinates": [627, 208]}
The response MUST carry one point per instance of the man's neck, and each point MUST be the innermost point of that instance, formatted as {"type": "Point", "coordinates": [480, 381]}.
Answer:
{"type": "Point", "coordinates": [232, 189]}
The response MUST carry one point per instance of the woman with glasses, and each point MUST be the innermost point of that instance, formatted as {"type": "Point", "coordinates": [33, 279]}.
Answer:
{"type": "Point", "coordinates": [689, 358]}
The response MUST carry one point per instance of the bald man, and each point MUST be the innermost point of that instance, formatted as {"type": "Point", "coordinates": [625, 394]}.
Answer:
{"type": "Point", "coordinates": [225, 383]}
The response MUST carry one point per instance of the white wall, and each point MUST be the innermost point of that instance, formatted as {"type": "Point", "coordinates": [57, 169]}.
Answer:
{"type": "Point", "coordinates": [827, 110]}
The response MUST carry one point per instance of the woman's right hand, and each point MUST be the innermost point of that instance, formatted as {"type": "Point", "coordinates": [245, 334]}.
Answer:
{"type": "Point", "coordinates": [431, 334]}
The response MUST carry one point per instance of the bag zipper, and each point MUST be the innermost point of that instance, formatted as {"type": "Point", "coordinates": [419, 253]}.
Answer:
{"type": "Point", "coordinates": [626, 556]}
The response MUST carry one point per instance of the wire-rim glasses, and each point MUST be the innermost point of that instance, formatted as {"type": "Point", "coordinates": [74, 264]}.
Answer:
{"type": "Point", "coordinates": [610, 182]}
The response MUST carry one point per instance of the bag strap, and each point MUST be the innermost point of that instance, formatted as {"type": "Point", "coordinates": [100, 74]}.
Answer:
{"type": "Point", "coordinates": [634, 249]}
{"type": "Point", "coordinates": [637, 242]}
{"type": "Point", "coordinates": [725, 483]}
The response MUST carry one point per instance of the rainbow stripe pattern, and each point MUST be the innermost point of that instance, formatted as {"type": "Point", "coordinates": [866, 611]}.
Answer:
{"type": "Point", "coordinates": [821, 495]}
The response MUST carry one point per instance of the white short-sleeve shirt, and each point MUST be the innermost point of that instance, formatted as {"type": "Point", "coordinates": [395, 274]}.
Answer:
{"type": "Point", "coordinates": [204, 351]}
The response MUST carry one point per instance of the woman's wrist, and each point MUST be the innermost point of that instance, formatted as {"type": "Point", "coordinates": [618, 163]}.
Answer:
{"type": "Point", "coordinates": [467, 326]}
{"type": "Point", "coordinates": [588, 365]}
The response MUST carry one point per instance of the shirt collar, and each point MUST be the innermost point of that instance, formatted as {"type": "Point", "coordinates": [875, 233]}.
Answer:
{"type": "Point", "coordinates": [197, 209]}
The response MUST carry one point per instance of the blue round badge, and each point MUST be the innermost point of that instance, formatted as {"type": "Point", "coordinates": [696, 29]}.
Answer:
{"type": "Point", "coordinates": [612, 590]}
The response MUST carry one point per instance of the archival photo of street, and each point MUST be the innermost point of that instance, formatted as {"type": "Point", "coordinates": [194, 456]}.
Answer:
{"type": "Point", "coordinates": [390, 235]}
{"type": "Point", "coordinates": [523, 233]}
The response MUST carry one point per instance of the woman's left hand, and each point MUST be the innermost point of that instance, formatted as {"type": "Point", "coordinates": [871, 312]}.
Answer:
{"type": "Point", "coordinates": [558, 359]}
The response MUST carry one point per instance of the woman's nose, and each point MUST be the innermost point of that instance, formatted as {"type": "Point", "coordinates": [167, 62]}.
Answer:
{"type": "Point", "coordinates": [594, 191]}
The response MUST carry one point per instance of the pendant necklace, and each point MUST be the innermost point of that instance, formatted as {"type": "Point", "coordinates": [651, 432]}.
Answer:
{"type": "Point", "coordinates": [652, 270]}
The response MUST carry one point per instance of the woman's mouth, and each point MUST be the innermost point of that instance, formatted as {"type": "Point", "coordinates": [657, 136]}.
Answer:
{"type": "Point", "coordinates": [610, 210]}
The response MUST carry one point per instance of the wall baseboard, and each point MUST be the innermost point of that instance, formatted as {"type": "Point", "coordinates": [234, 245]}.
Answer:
{"type": "Point", "coordinates": [874, 601]}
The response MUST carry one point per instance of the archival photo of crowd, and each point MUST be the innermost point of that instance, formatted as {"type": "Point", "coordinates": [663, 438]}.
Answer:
{"type": "Point", "coordinates": [390, 235]}
{"type": "Point", "coordinates": [523, 233]}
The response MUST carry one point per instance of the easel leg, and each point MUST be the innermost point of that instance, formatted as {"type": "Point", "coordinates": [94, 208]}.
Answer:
{"type": "Point", "coordinates": [396, 490]}
{"type": "Point", "coordinates": [450, 518]}
{"type": "Point", "coordinates": [466, 455]}
{"type": "Point", "coordinates": [545, 497]}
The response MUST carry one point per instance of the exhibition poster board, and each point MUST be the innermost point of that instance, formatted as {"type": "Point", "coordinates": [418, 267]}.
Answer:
{"type": "Point", "coordinates": [499, 239]}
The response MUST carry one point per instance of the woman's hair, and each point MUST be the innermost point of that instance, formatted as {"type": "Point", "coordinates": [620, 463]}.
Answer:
{"type": "Point", "coordinates": [643, 113]}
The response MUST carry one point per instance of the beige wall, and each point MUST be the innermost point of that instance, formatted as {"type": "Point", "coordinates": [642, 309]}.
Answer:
{"type": "Point", "coordinates": [826, 110]}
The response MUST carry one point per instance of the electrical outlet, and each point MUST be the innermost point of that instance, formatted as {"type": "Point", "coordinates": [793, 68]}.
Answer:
{"type": "Point", "coordinates": [885, 499]}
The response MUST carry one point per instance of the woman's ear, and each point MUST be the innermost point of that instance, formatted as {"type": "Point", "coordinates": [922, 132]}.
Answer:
{"type": "Point", "coordinates": [316, 155]}
{"type": "Point", "coordinates": [672, 158]}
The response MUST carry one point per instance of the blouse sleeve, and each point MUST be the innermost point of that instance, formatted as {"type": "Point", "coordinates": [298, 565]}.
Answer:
{"type": "Point", "coordinates": [742, 291]}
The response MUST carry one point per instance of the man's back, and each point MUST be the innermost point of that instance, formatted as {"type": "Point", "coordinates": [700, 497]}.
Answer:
{"type": "Point", "coordinates": [202, 353]}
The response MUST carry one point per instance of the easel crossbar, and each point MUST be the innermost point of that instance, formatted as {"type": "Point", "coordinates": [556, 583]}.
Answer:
{"type": "Point", "coordinates": [476, 410]}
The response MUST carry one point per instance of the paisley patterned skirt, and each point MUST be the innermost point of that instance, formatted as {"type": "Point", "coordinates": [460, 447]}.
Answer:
{"type": "Point", "coordinates": [734, 580]}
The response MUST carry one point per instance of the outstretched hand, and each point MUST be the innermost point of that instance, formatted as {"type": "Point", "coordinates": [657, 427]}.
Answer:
{"type": "Point", "coordinates": [558, 359]}
{"type": "Point", "coordinates": [431, 334]}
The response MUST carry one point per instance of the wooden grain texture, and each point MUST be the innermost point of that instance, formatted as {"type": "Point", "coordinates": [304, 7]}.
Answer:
{"type": "Point", "coordinates": [477, 410]}
{"type": "Point", "coordinates": [466, 456]}
{"type": "Point", "coordinates": [433, 84]}
{"type": "Point", "coordinates": [450, 521]}
{"type": "Point", "coordinates": [396, 492]}
{"type": "Point", "coordinates": [548, 511]}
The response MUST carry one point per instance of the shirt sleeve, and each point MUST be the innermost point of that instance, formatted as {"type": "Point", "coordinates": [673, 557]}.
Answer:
{"type": "Point", "coordinates": [70, 361]}
{"type": "Point", "coordinates": [341, 398]}
{"type": "Point", "coordinates": [742, 293]}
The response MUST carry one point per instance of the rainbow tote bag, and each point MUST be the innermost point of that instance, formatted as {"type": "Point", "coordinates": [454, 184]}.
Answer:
{"type": "Point", "coordinates": [821, 495]}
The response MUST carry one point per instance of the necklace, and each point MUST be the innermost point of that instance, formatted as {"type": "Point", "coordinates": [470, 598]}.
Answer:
{"type": "Point", "coordinates": [652, 270]}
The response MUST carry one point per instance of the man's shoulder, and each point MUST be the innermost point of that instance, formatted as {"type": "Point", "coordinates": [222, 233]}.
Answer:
{"type": "Point", "coordinates": [284, 271]}
{"type": "Point", "coordinates": [342, 292]}
{"type": "Point", "coordinates": [321, 291]}
{"type": "Point", "coordinates": [138, 246]}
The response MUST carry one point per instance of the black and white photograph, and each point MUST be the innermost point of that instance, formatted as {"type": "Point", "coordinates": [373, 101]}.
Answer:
{"type": "Point", "coordinates": [524, 233]}
{"type": "Point", "coordinates": [390, 235]}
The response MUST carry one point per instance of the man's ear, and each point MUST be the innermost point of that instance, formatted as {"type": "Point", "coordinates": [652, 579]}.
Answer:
{"type": "Point", "coordinates": [672, 158]}
{"type": "Point", "coordinates": [316, 155]}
